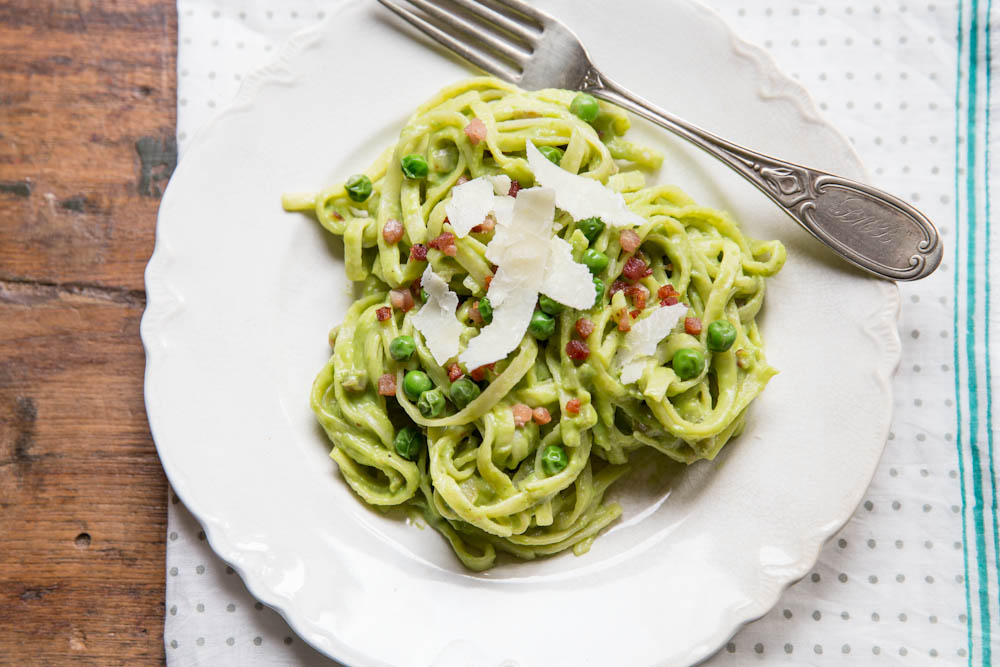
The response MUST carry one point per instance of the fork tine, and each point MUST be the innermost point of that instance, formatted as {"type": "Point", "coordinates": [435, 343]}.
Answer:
{"type": "Point", "coordinates": [476, 57]}
{"type": "Point", "coordinates": [493, 17]}
{"type": "Point", "coordinates": [524, 8]}
{"type": "Point", "coordinates": [452, 20]}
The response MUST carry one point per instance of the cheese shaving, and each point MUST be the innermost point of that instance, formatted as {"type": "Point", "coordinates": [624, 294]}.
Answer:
{"type": "Point", "coordinates": [436, 319]}
{"type": "Point", "coordinates": [640, 343]}
{"type": "Point", "coordinates": [579, 196]}
{"type": "Point", "coordinates": [469, 205]}
{"type": "Point", "coordinates": [566, 280]}
{"type": "Point", "coordinates": [520, 253]}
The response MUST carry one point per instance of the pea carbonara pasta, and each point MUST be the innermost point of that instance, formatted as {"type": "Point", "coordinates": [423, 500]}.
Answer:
{"type": "Point", "coordinates": [529, 313]}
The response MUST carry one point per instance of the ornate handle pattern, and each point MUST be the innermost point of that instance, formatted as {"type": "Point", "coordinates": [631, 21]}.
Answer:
{"type": "Point", "coordinates": [870, 228]}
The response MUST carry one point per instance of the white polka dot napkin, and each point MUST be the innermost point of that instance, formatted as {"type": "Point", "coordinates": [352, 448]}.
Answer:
{"type": "Point", "coordinates": [912, 579]}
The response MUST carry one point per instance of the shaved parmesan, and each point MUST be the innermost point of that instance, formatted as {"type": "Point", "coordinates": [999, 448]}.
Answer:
{"type": "Point", "coordinates": [640, 343]}
{"type": "Point", "coordinates": [501, 184]}
{"type": "Point", "coordinates": [567, 281]}
{"type": "Point", "coordinates": [470, 203]}
{"type": "Point", "coordinates": [436, 318]}
{"type": "Point", "coordinates": [520, 249]}
{"type": "Point", "coordinates": [579, 196]}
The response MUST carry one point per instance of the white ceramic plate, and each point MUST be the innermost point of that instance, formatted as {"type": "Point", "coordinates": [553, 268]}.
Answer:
{"type": "Point", "coordinates": [241, 296]}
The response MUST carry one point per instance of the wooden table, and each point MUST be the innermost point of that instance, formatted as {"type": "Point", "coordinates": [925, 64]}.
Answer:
{"type": "Point", "coordinates": [87, 117]}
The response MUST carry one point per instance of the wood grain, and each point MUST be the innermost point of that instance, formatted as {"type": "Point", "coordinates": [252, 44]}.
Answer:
{"type": "Point", "coordinates": [87, 116]}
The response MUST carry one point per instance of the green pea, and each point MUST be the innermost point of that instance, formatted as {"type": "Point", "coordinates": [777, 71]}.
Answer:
{"type": "Point", "coordinates": [416, 383]}
{"type": "Point", "coordinates": [552, 154]}
{"type": "Point", "coordinates": [486, 310]}
{"type": "Point", "coordinates": [359, 187]}
{"type": "Point", "coordinates": [585, 107]}
{"type": "Point", "coordinates": [431, 403]}
{"type": "Point", "coordinates": [591, 228]}
{"type": "Point", "coordinates": [595, 260]}
{"type": "Point", "coordinates": [554, 459]}
{"type": "Point", "coordinates": [423, 295]}
{"type": "Point", "coordinates": [550, 306]}
{"type": "Point", "coordinates": [401, 348]}
{"type": "Point", "coordinates": [720, 336]}
{"type": "Point", "coordinates": [414, 165]}
{"type": "Point", "coordinates": [408, 442]}
{"type": "Point", "coordinates": [688, 363]}
{"type": "Point", "coordinates": [599, 289]}
{"type": "Point", "coordinates": [463, 391]}
{"type": "Point", "coordinates": [541, 325]}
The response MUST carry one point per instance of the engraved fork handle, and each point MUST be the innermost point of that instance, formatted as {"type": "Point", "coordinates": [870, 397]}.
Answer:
{"type": "Point", "coordinates": [870, 228]}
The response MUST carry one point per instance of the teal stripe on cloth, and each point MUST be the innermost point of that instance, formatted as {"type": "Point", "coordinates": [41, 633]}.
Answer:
{"type": "Point", "coordinates": [960, 41]}
{"type": "Point", "coordinates": [987, 255]}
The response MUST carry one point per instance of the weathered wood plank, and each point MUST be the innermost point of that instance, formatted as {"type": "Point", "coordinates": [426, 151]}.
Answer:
{"type": "Point", "coordinates": [87, 116]}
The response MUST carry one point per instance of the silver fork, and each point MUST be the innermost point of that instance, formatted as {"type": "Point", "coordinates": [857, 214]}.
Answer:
{"type": "Point", "coordinates": [514, 41]}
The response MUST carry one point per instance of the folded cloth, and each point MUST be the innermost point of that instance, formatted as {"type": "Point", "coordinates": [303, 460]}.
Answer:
{"type": "Point", "coordinates": [912, 578]}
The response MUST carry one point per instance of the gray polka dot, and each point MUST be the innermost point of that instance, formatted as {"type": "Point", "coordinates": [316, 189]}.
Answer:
{"type": "Point", "coordinates": [893, 472]}
{"type": "Point", "coordinates": [815, 577]}
{"type": "Point", "coordinates": [928, 544]}
{"type": "Point", "coordinates": [173, 643]}
{"type": "Point", "coordinates": [962, 618]}
{"type": "Point", "coordinates": [173, 572]}
{"type": "Point", "coordinates": [902, 618]}
{"type": "Point", "coordinates": [920, 436]}
{"type": "Point", "coordinates": [899, 544]}
{"type": "Point", "coordinates": [789, 648]}
{"type": "Point", "coordinates": [876, 650]}
{"type": "Point", "coordinates": [915, 333]}
{"type": "Point", "coordinates": [201, 533]}
{"type": "Point", "coordinates": [230, 641]}
{"type": "Point", "coordinates": [787, 613]}
{"type": "Point", "coordinates": [959, 579]}
{"type": "Point", "coordinates": [933, 653]}
{"type": "Point", "coordinates": [173, 610]}
{"type": "Point", "coordinates": [818, 649]}
{"type": "Point", "coordinates": [924, 472]}
{"type": "Point", "coordinates": [903, 651]}
{"type": "Point", "coordinates": [845, 649]}
{"type": "Point", "coordinates": [900, 578]}
{"type": "Point", "coordinates": [875, 616]}
{"type": "Point", "coordinates": [173, 535]}
{"type": "Point", "coordinates": [871, 544]}
{"type": "Point", "coordinates": [731, 647]}
{"type": "Point", "coordinates": [258, 606]}
{"type": "Point", "coordinates": [842, 543]}
{"type": "Point", "coordinates": [229, 570]}
{"type": "Point", "coordinates": [872, 579]}
{"type": "Point", "coordinates": [200, 641]}
{"type": "Point", "coordinates": [844, 615]}
{"type": "Point", "coordinates": [817, 615]}
{"type": "Point", "coordinates": [200, 569]}
{"type": "Point", "coordinates": [961, 652]}
{"type": "Point", "coordinates": [896, 505]}
{"type": "Point", "coordinates": [258, 641]}
{"type": "Point", "coordinates": [842, 578]}
{"type": "Point", "coordinates": [288, 641]}
{"type": "Point", "coordinates": [929, 579]}
{"type": "Point", "coordinates": [933, 619]}
{"type": "Point", "coordinates": [230, 607]}
{"type": "Point", "coordinates": [927, 508]}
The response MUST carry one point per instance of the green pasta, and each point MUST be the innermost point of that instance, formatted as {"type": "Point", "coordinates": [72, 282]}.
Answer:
{"type": "Point", "coordinates": [518, 457]}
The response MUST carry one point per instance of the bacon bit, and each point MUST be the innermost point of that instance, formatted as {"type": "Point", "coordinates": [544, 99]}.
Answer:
{"type": "Point", "coordinates": [515, 187]}
{"type": "Point", "coordinates": [638, 294]}
{"type": "Point", "coordinates": [692, 325]}
{"type": "Point", "coordinates": [629, 240]}
{"type": "Point", "coordinates": [577, 350]}
{"type": "Point", "coordinates": [387, 385]}
{"type": "Point", "coordinates": [522, 414]}
{"type": "Point", "coordinates": [383, 313]}
{"type": "Point", "coordinates": [418, 252]}
{"type": "Point", "coordinates": [475, 315]}
{"type": "Point", "coordinates": [463, 179]}
{"type": "Point", "coordinates": [635, 313]}
{"type": "Point", "coordinates": [541, 416]}
{"type": "Point", "coordinates": [617, 286]}
{"type": "Point", "coordinates": [402, 299]}
{"type": "Point", "coordinates": [479, 374]}
{"type": "Point", "coordinates": [392, 231]}
{"type": "Point", "coordinates": [623, 320]}
{"type": "Point", "coordinates": [415, 289]}
{"type": "Point", "coordinates": [486, 282]}
{"type": "Point", "coordinates": [573, 406]}
{"type": "Point", "coordinates": [488, 224]}
{"type": "Point", "coordinates": [742, 358]}
{"type": "Point", "coordinates": [584, 327]}
{"type": "Point", "coordinates": [635, 268]}
{"type": "Point", "coordinates": [669, 301]}
{"type": "Point", "coordinates": [454, 372]}
{"type": "Point", "coordinates": [475, 131]}
{"type": "Point", "coordinates": [337, 216]}
{"type": "Point", "coordinates": [445, 243]}
{"type": "Point", "coordinates": [667, 291]}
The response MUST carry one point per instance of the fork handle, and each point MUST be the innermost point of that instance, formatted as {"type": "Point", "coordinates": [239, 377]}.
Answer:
{"type": "Point", "coordinates": [870, 228]}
